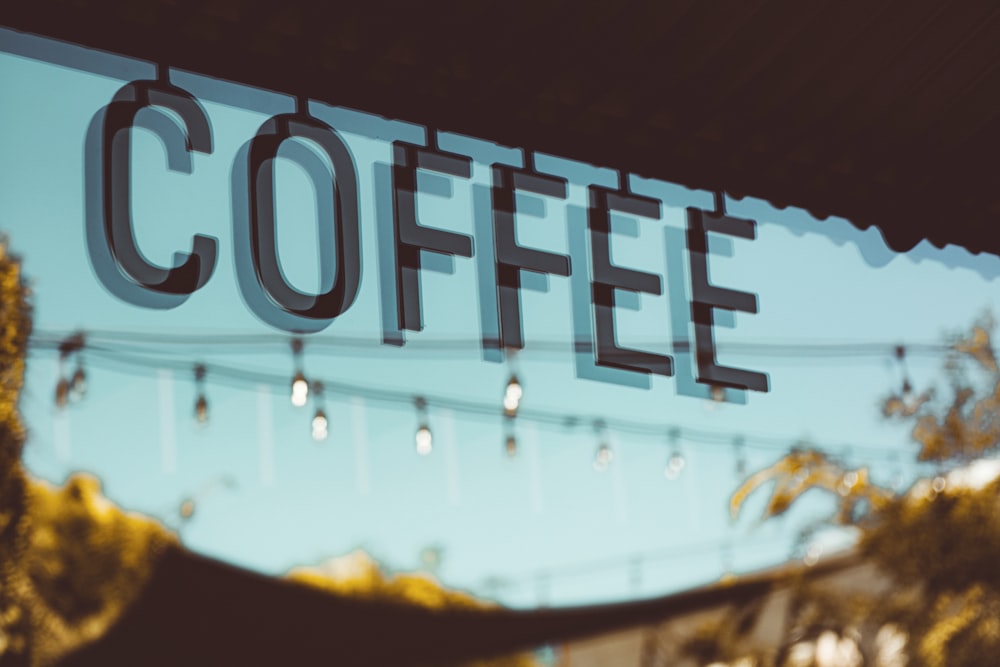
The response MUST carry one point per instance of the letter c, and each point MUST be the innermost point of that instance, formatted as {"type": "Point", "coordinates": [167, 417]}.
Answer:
{"type": "Point", "coordinates": [191, 270]}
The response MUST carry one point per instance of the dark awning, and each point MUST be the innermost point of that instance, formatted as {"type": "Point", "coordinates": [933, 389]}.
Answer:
{"type": "Point", "coordinates": [884, 113]}
{"type": "Point", "coordinates": [196, 611]}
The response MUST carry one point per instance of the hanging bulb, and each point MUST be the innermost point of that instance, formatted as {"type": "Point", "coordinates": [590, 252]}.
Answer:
{"type": "Point", "coordinates": [675, 464]}
{"type": "Point", "coordinates": [741, 461]}
{"type": "Point", "coordinates": [300, 390]}
{"type": "Point", "coordinates": [510, 446]}
{"type": "Point", "coordinates": [201, 403]}
{"type": "Point", "coordinates": [319, 426]}
{"type": "Point", "coordinates": [510, 440]}
{"type": "Point", "coordinates": [62, 392]}
{"type": "Point", "coordinates": [718, 393]}
{"type": "Point", "coordinates": [78, 383]}
{"type": "Point", "coordinates": [939, 484]}
{"type": "Point", "coordinates": [514, 388]}
{"type": "Point", "coordinates": [201, 409]}
{"type": "Point", "coordinates": [603, 457]}
{"type": "Point", "coordinates": [512, 396]}
{"type": "Point", "coordinates": [424, 440]}
{"type": "Point", "coordinates": [300, 386]}
{"type": "Point", "coordinates": [847, 483]}
{"type": "Point", "coordinates": [75, 388]}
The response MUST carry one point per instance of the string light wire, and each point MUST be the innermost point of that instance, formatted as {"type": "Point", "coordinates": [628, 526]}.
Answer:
{"type": "Point", "coordinates": [243, 378]}
{"type": "Point", "coordinates": [238, 343]}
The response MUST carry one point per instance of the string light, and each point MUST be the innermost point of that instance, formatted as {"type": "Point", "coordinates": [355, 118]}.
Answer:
{"type": "Point", "coordinates": [240, 376]}
{"type": "Point", "coordinates": [512, 396]}
{"type": "Point", "coordinates": [189, 504]}
{"type": "Point", "coordinates": [424, 439]}
{"type": "Point", "coordinates": [78, 383]}
{"type": "Point", "coordinates": [907, 387]}
{"type": "Point", "coordinates": [201, 403]}
{"type": "Point", "coordinates": [320, 425]}
{"type": "Point", "coordinates": [604, 455]}
{"type": "Point", "coordinates": [739, 444]}
{"type": "Point", "coordinates": [66, 389]}
{"type": "Point", "coordinates": [676, 462]}
{"type": "Point", "coordinates": [62, 392]}
{"type": "Point", "coordinates": [847, 483]}
{"type": "Point", "coordinates": [461, 345]}
{"type": "Point", "coordinates": [300, 390]}
{"type": "Point", "coordinates": [510, 440]}
{"type": "Point", "coordinates": [300, 386]}
{"type": "Point", "coordinates": [939, 484]}
{"type": "Point", "coordinates": [513, 391]}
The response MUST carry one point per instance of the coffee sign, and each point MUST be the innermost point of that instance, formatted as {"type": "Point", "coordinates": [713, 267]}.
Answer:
{"type": "Point", "coordinates": [185, 130]}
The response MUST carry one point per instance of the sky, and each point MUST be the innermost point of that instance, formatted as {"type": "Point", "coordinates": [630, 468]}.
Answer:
{"type": "Point", "coordinates": [541, 528]}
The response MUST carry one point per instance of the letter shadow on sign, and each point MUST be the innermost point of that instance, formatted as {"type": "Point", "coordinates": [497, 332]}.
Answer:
{"type": "Point", "coordinates": [101, 260]}
{"type": "Point", "coordinates": [441, 186]}
{"type": "Point", "coordinates": [583, 322]}
{"type": "Point", "coordinates": [253, 293]}
{"type": "Point", "coordinates": [675, 243]}
{"type": "Point", "coordinates": [392, 334]}
{"type": "Point", "coordinates": [534, 206]}
{"type": "Point", "coordinates": [486, 270]}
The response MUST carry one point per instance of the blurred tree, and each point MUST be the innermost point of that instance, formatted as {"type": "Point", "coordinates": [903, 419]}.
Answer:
{"type": "Point", "coordinates": [71, 562]}
{"type": "Point", "coordinates": [939, 541]}
{"type": "Point", "coordinates": [15, 317]}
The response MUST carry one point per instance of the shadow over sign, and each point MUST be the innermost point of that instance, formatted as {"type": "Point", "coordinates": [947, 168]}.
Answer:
{"type": "Point", "coordinates": [184, 128]}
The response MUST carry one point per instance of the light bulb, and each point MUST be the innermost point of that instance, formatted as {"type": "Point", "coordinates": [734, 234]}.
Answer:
{"type": "Point", "coordinates": [718, 393]}
{"type": "Point", "coordinates": [511, 446]}
{"type": "Point", "coordinates": [320, 426]}
{"type": "Point", "coordinates": [62, 393]}
{"type": "Point", "coordinates": [675, 464]}
{"type": "Point", "coordinates": [603, 457]}
{"type": "Point", "coordinates": [512, 396]}
{"type": "Point", "coordinates": [78, 384]}
{"type": "Point", "coordinates": [514, 390]}
{"type": "Point", "coordinates": [424, 440]}
{"type": "Point", "coordinates": [300, 390]}
{"type": "Point", "coordinates": [847, 483]}
{"type": "Point", "coordinates": [201, 409]}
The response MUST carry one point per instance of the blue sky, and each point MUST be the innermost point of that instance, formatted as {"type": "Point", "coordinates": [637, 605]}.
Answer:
{"type": "Point", "coordinates": [545, 522]}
